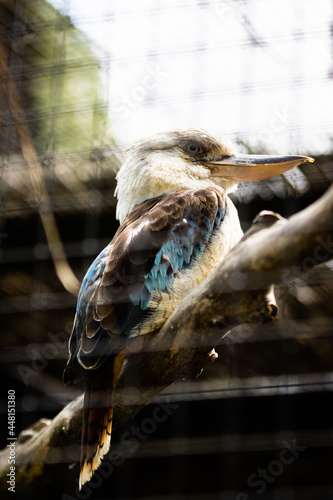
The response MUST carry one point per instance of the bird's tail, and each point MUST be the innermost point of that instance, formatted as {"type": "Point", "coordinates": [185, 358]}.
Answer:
{"type": "Point", "coordinates": [97, 421]}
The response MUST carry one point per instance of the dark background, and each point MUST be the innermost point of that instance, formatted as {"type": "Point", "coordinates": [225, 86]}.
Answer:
{"type": "Point", "coordinates": [265, 389]}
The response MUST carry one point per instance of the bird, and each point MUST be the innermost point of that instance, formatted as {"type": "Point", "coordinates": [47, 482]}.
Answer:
{"type": "Point", "coordinates": [177, 223]}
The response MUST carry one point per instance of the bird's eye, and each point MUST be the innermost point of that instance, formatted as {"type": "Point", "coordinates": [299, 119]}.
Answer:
{"type": "Point", "coordinates": [193, 147]}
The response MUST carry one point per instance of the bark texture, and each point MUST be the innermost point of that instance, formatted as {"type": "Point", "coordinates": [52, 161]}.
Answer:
{"type": "Point", "coordinates": [239, 291]}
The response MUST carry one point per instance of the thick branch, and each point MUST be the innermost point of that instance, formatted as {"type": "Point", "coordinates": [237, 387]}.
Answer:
{"type": "Point", "coordinates": [238, 291]}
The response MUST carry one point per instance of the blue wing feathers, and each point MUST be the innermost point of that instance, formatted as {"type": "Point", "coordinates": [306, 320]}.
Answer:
{"type": "Point", "coordinates": [94, 273]}
{"type": "Point", "coordinates": [143, 259]}
{"type": "Point", "coordinates": [187, 241]}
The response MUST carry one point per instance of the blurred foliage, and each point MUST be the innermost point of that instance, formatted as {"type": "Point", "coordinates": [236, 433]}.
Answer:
{"type": "Point", "coordinates": [58, 74]}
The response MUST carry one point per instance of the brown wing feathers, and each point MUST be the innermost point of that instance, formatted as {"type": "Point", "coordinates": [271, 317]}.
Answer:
{"type": "Point", "coordinates": [116, 306]}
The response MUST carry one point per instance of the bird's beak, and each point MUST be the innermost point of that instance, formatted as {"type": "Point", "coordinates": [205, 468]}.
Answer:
{"type": "Point", "coordinates": [248, 168]}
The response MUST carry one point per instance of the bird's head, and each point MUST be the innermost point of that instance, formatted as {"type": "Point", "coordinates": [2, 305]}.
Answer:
{"type": "Point", "coordinates": [189, 159]}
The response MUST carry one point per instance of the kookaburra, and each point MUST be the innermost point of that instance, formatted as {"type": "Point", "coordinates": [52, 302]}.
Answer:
{"type": "Point", "coordinates": [176, 224]}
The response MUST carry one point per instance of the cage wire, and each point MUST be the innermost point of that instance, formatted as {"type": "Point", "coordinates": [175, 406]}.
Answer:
{"type": "Point", "coordinates": [59, 120]}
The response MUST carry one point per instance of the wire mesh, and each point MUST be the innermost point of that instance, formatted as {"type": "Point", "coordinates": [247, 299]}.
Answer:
{"type": "Point", "coordinates": [85, 83]}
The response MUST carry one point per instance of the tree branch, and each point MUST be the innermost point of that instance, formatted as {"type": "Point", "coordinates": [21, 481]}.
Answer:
{"type": "Point", "coordinates": [62, 267]}
{"type": "Point", "coordinates": [239, 291]}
